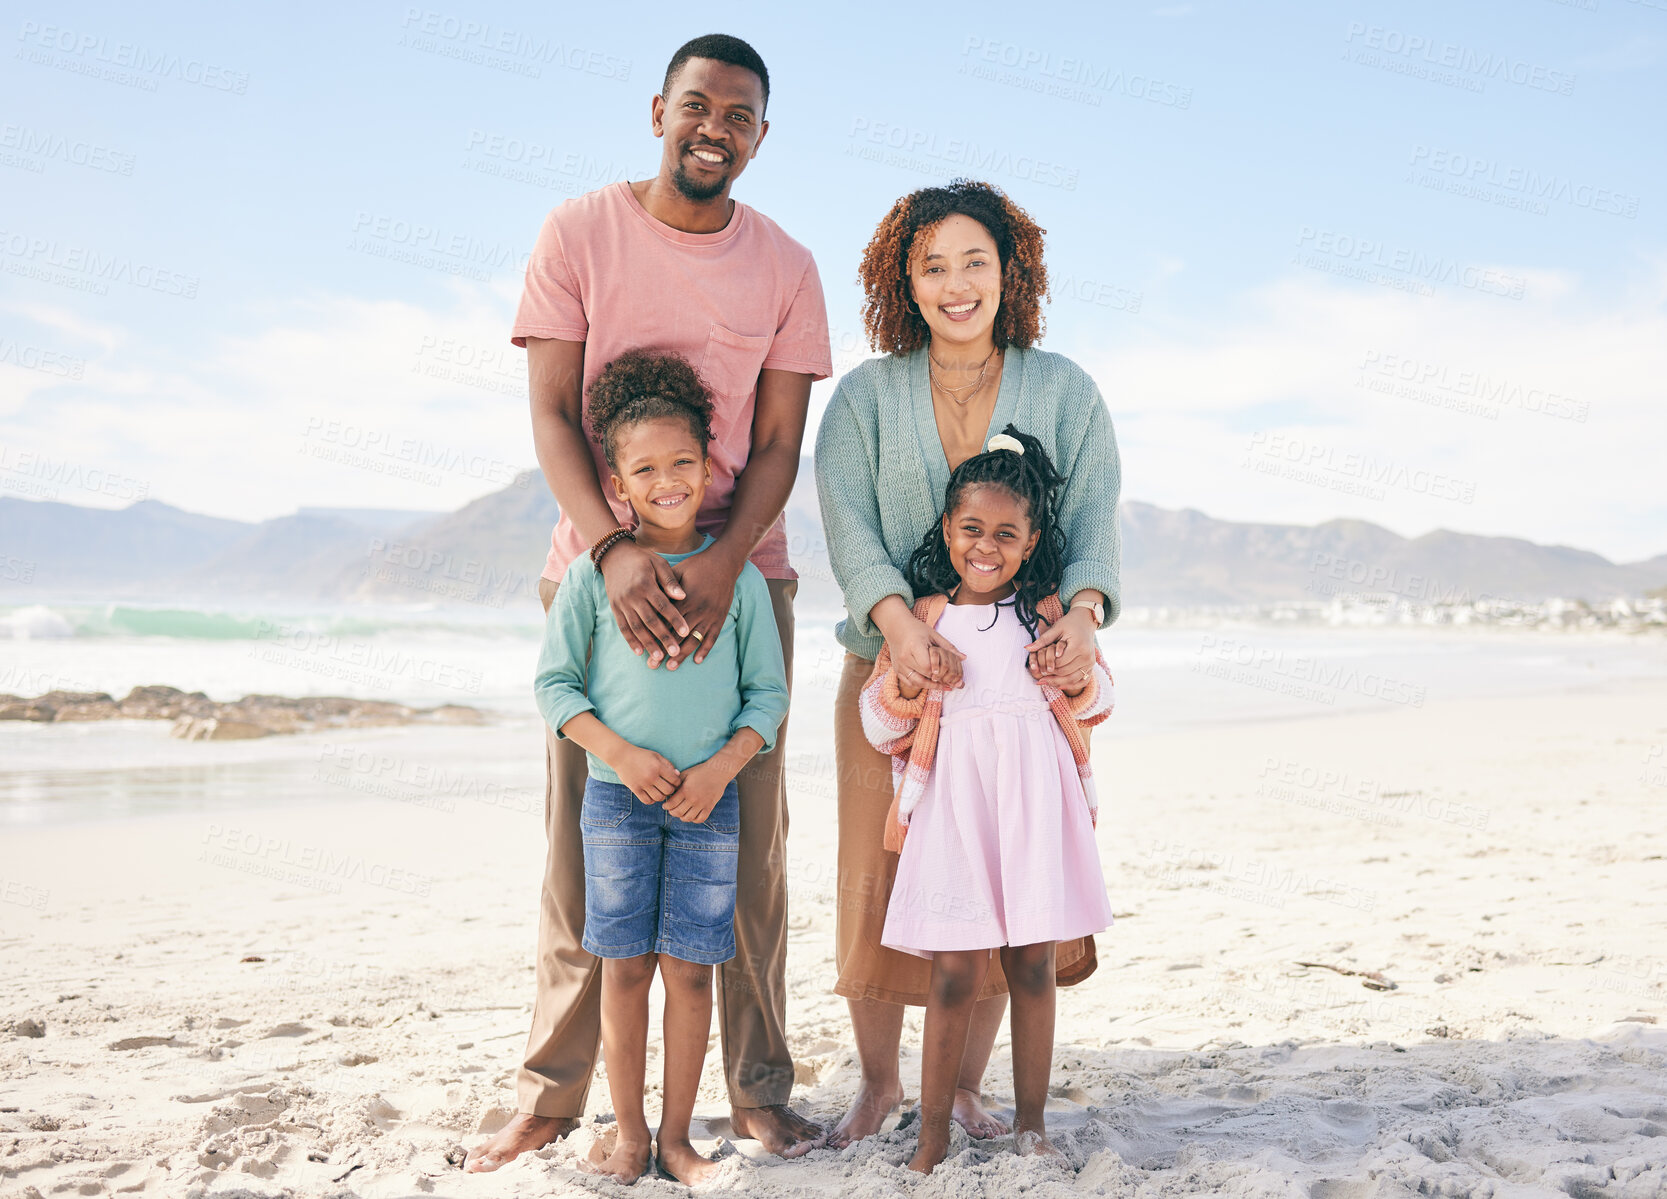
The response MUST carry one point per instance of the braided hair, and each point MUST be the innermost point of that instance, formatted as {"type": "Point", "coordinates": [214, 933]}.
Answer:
{"type": "Point", "coordinates": [1030, 478]}
{"type": "Point", "coordinates": [643, 385]}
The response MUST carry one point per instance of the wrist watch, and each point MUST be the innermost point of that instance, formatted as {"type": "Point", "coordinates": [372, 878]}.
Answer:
{"type": "Point", "coordinates": [1094, 606]}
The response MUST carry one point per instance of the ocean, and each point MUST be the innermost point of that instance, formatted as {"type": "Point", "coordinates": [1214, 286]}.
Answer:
{"type": "Point", "coordinates": [1167, 679]}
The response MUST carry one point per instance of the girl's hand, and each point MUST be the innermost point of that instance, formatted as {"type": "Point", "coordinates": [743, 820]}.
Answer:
{"type": "Point", "coordinates": [650, 777]}
{"type": "Point", "coordinates": [924, 657]}
{"type": "Point", "coordinates": [1063, 657]}
{"type": "Point", "coordinates": [702, 787]}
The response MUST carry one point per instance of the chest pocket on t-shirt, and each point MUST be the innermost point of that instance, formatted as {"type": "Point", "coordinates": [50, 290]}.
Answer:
{"type": "Point", "coordinates": [732, 362]}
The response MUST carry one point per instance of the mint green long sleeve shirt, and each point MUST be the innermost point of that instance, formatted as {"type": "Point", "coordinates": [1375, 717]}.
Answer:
{"type": "Point", "coordinates": [881, 474]}
{"type": "Point", "coordinates": [687, 714]}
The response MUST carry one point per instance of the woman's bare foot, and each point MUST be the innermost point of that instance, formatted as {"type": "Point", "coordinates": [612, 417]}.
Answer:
{"type": "Point", "coordinates": [1033, 1142]}
{"type": "Point", "coordinates": [868, 1112]}
{"type": "Point", "coordinates": [970, 1113]}
{"type": "Point", "coordinates": [680, 1160]}
{"type": "Point", "coordinates": [778, 1128]}
{"type": "Point", "coordinates": [521, 1135]}
{"type": "Point", "coordinates": [625, 1164]}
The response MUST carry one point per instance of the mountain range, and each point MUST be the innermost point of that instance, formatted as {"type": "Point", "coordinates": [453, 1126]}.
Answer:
{"type": "Point", "coordinates": [491, 551]}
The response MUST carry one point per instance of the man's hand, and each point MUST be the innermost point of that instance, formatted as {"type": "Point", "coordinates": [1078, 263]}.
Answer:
{"type": "Point", "coordinates": [651, 777]}
{"type": "Point", "coordinates": [709, 583]}
{"type": "Point", "coordinates": [641, 587]}
{"type": "Point", "coordinates": [702, 787]}
{"type": "Point", "coordinates": [1063, 656]}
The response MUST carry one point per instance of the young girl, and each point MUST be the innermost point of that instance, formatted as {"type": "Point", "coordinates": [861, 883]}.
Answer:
{"type": "Point", "coordinates": [661, 815]}
{"type": "Point", "coordinates": [993, 786]}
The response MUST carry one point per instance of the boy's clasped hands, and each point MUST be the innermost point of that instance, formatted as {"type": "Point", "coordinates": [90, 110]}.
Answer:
{"type": "Point", "coordinates": [690, 795]}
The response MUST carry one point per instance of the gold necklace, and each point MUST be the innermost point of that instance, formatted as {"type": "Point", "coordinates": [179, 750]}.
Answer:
{"type": "Point", "coordinates": [973, 386]}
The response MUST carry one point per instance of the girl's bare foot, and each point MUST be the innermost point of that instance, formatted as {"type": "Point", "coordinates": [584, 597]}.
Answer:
{"type": "Point", "coordinates": [521, 1135]}
{"type": "Point", "coordinates": [625, 1164]}
{"type": "Point", "coordinates": [680, 1160]}
{"type": "Point", "coordinates": [1033, 1142]}
{"type": "Point", "coordinates": [927, 1155]}
{"type": "Point", "coordinates": [970, 1113]}
{"type": "Point", "coordinates": [868, 1112]}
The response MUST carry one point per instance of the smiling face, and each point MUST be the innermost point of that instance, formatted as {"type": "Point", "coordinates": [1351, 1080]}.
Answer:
{"type": "Point", "coordinates": [955, 278]}
{"type": "Point", "coordinates": [713, 123]}
{"type": "Point", "coordinates": [989, 536]}
{"type": "Point", "coordinates": [661, 471]}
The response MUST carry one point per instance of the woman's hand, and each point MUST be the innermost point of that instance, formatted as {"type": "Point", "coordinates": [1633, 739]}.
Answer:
{"type": "Point", "coordinates": [641, 587]}
{"type": "Point", "coordinates": [924, 657]}
{"type": "Point", "coordinates": [1063, 657]}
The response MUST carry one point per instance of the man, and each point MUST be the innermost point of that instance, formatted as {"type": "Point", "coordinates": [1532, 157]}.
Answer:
{"type": "Point", "coordinates": [673, 264]}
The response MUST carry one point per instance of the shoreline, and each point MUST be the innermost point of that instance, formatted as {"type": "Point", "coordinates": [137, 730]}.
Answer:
{"type": "Point", "coordinates": [420, 765]}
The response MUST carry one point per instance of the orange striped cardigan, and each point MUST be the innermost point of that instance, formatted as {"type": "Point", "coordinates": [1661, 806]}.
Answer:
{"type": "Point", "coordinates": [907, 729]}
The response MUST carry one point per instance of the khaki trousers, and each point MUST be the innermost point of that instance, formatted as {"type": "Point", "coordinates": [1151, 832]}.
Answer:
{"type": "Point", "coordinates": [562, 1047]}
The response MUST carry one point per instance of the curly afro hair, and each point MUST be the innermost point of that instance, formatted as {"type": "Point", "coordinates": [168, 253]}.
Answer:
{"type": "Point", "coordinates": [896, 328]}
{"type": "Point", "coordinates": [643, 385]}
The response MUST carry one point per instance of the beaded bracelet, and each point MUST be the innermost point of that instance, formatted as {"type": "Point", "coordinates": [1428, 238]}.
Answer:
{"type": "Point", "coordinates": [607, 543]}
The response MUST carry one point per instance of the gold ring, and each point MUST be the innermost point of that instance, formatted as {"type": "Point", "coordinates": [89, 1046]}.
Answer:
{"type": "Point", "coordinates": [697, 635]}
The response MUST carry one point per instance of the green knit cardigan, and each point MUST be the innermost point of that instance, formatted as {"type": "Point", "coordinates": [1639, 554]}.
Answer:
{"type": "Point", "coordinates": [881, 474]}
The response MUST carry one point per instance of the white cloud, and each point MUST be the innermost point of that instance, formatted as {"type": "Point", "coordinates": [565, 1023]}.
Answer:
{"type": "Point", "coordinates": [334, 402]}
{"type": "Point", "coordinates": [65, 324]}
{"type": "Point", "coordinates": [1188, 402]}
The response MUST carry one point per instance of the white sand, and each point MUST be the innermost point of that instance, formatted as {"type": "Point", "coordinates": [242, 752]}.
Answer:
{"type": "Point", "coordinates": [1501, 860]}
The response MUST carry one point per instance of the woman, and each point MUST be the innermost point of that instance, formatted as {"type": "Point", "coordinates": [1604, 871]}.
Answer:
{"type": "Point", "coordinates": [953, 283]}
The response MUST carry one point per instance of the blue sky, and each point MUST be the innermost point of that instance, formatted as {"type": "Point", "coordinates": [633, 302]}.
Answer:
{"type": "Point", "coordinates": [1405, 263]}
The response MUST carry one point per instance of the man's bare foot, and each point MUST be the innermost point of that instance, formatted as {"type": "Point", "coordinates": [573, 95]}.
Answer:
{"type": "Point", "coordinates": [970, 1113]}
{"type": "Point", "coordinates": [1033, 1142]}
{"type": "Point", "coordinates": [778, 1128]}
{"type": "Point", "coordinates": [680, 1160]}
{"type": "Point", "coordinates": [626, 1163]}
{"type": "Point", "coordinates": [521, 1135]}
{"type": "Point", "coordinates": [869, 1110]}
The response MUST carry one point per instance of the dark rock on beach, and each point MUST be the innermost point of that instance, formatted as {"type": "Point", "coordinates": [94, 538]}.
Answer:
{"type": "Point", "coordinates": [198, 718]}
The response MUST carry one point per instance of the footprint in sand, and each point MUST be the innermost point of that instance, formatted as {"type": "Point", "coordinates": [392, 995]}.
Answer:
{"type": "Point", "coordinates": [291, 1029]}
{"type": "Point", "coordinates": [128, 1043]}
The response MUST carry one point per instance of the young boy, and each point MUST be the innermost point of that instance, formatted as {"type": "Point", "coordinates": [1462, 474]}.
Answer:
{"type": "Point", "coordinates": [661, 815]}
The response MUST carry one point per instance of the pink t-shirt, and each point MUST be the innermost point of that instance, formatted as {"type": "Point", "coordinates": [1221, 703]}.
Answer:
{"type": "Point", "coordinates": [744, 299]}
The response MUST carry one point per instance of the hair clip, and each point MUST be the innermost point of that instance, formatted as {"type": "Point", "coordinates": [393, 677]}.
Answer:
{"type": "Point", "coordinates": [1001, 441]}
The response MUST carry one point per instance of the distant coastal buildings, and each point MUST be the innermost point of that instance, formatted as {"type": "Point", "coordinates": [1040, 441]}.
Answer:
{"type": "Point", "coordinates": [1369, 609]}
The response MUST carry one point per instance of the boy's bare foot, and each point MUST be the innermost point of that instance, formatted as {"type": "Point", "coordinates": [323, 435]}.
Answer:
{"type": "Point", "coordinates": [868, 1112]}
{"type": "Point", "coordinates": [1033, 1142]}
{"type": "Point", "coordinates": [521, 1135]}
{"type": "Point", "coordinates": [680, 1160]}
{"type": "Point", "coordinates": [778, 1128]}
{"type": "Point", "coordinates": [625, 1164]}
{"type": "Point", "coordinates": [970, 1113]}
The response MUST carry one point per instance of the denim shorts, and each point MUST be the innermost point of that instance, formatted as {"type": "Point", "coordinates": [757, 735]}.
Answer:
{"type": "Point", "coordinates": [657, 884]}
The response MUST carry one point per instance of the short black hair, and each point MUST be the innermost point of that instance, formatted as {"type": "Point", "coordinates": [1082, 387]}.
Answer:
{"type": "Point", "coordinates": [720, 47]}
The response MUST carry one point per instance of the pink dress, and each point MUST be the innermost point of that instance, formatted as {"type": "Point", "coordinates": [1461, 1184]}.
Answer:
{"type": "Point", "coordinates": [1001, 846]}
